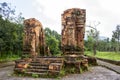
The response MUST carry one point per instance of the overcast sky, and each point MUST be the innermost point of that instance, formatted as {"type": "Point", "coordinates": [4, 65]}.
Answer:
{"type": "Point", "coordinates": [48, 12]}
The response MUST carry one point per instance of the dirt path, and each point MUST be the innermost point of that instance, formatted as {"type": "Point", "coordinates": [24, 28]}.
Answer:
{"type": "Point", "coordinates": [5, 64]}
{"type": "Point", "coordinates": [6, 72]}
{"type": "Point", "coordinates": [95, 73]}
{"type": "Point", "coordinates": [109, 66]}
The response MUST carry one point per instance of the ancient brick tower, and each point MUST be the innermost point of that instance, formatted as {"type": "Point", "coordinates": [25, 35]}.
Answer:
{"type": "Point", "coordinates": [73, 22]}
{"type": "Point", "coordinates": [37, 61]}
{"type": "Point", "coordinates": [34, 38]}
{"type": "Point", "coordinates": [73, 29]}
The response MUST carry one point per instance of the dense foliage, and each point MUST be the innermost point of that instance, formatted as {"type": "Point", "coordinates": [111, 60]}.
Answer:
{"type": "Point", "coordinates": [53, 41]}
{"type": "Point", "coordinates": [11, 32]}
{"type": "Point", "coordinates": [105, 44]}
{"type": "Point", "coordinates": [10, 37]}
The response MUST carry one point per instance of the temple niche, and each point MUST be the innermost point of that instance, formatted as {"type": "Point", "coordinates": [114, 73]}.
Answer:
{"type": "Point", "coordinates": [34, 38]}
{"type": "Point", "coordinates": [73, 29]}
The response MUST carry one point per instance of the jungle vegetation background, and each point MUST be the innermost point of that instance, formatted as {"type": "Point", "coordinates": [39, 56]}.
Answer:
{"type": "Point", "coordinates": [11, 38]}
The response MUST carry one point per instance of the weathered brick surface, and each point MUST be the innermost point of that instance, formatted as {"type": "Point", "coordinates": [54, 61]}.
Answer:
{"type": "Point", "coordinates": [73, 22]}
{"type": "Point", "coordinates": [73, 29]}
{"type": "Point", "coordinates": [33, 42]}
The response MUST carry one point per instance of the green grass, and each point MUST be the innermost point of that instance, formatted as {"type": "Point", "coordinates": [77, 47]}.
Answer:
{"type": "Point", "coordinates": [106, 55]}
{"type": "Point", "coordinates": [9, 58]}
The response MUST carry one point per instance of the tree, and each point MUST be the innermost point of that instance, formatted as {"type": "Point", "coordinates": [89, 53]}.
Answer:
{"type": "Point", "coordinates": [113, 44]}
{"type": "Point", "coordinates": [94, 33]}
{"type": "Point", "coordinates": [104, 45]}
{"type": "Point", "coordinates": [6, 11]}
{"type": "Point", "coordinates": [10, 36]}
{"type": "Point", "coordinates": [53, 44]}
{"type": "Point", "coordinates": [116, 36]}
{"type": "Point", "coordinates": [11, 32]}
{"type": "Point", "coordinates": [93, 39]}
{"type": "Point", "coordinates": [53, 40]}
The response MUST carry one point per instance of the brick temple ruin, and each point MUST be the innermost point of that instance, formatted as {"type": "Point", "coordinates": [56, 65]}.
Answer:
{"type": "Point", "coordinates": [34, 38]}
{"type": "Point", "coordinates": [35, 60]}
{"type": "Point", "coordinates": [73, 30]}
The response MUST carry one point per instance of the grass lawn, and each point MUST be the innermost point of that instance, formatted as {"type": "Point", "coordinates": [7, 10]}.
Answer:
{"type": "Point", "coordinates": [105, 55]}
{"type": "Point", "coordinates": [6, 59]}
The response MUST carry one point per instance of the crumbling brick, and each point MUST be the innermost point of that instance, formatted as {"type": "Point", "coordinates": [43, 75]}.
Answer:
{"type": "Point", "coordinates": [73, 29]}
{"type": "Point", "coordinates": [34, 38]}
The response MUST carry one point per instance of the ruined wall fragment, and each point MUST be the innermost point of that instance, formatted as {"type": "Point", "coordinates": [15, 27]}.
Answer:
{"type": "Point", "coordinates": [33, 37]}
{"type": "Point", "coordinates": [73, 29]}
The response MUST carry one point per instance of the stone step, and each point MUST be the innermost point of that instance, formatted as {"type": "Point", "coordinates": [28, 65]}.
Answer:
{"type": "Point", "coordinates": [43, 65]}
{"type": "Point", "coordinates": [38, 67]}
{"type": "Point", "coordinates": [38, 64]}
{"type": "Point", "coordinates": [42, 59]}
{"type": "Point", "coordinates": [47, 61]}
{"type": "Point", "coordinates": [41, 71]}
{"type": "Point", "coordinates": [17, 69]}
{"type": "Point", "coordinates": [55, 71]}
{"type": "Point", "coordinates": [37, 73]}
{"type": "Point", "coordinates": [48, 57]}
{"type": "Point", "coordinates": [37, 70]}
{"type": "Point", "coordinates": [17, 61]}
